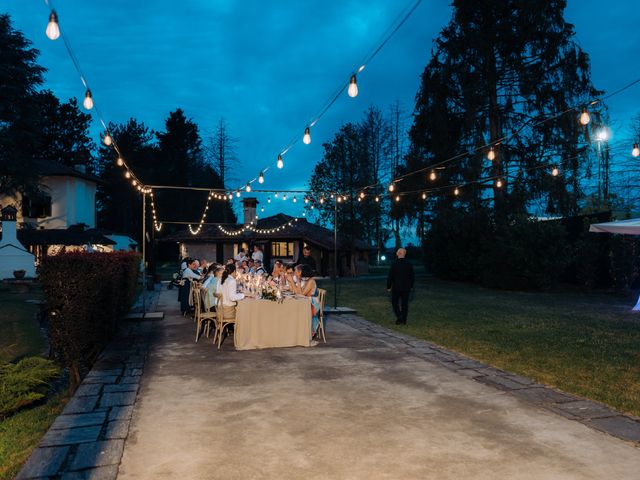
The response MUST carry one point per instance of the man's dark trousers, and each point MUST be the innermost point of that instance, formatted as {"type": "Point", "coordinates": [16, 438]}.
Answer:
{"type": "Point", "coordinates": [400, 304]}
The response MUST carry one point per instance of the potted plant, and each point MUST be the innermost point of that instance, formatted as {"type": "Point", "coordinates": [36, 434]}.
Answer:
{"type": "Point", "coordinates": [19, 274]}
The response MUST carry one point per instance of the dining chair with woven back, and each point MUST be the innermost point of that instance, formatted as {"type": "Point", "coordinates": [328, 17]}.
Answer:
{"type": "Point", "coordinates": [321, 296]}
{"type": "Point", "coordinates": [202, 314]}
{"type": "Point", "coordinates": [223, 320]}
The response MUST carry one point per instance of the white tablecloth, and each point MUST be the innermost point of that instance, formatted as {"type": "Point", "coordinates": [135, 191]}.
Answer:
{"type": "Point", "coordinates": [268, 324]}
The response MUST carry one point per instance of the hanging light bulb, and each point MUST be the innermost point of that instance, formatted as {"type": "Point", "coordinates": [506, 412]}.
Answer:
{"type": "Point", "coordinates": [261, 178]}
{"type": "Point", "coordinates": [262, 209]}
{"type": "Point", "coordinates": [555, 171]}
{"type": "Point", "coordinates": [284, 197]}
{"type": "Point", "coordinates": [424, 196]}
{"type": "Point", "coordinates": [353, 87]}
{"type": "Point", "coordinates": [107, 139]}
{"type": "Point", "coordinates": [268, 199]}
{"type": "Point", "coordinates": [88, 100]}
{"type": "Point", "coordinates": [585, 118]}
{"type": "Point", "coordinates": [306, 139]}
{"type": "Point", "coordinates": [432, 175]}
{"type": "Point", "coordinates": [339, 199]}
{"type": "Point", "coordinates": [127, 174]}
{"type": "Point", "coordinates": [306, 200]}
{"type": "Point", "coordinates": [361, 194]}
{"type": "Point", "coordinates": [53, 29]}
{"type": "Point", "coordinates": [238, 194]}
{"type": "Point", "coordinates": [134, 182]}
{"type": "Point", "coordinates": [397, 198]}
{"type": "Point", "coordinates": [312, 207]}
{"type": "Point", "coordinates": [294, 199]}
{"type": "Point", "coordinates": [636, 150]}
{"type": "Point", "coordinates": [377, 199]}
{"type": "Point", "coordinates": [392, 187]}
{"type": "Point", "coordinates": [499, 183]}
{"type": "Point", "coordinates": [456, 192]}
{"type": "Point", "coordinates": [119, 161]}
{"type": "Point", "coordinates": [280, 162]}
{"type": "Point", "coordinates": [248, 187]}
{"type": "Point", "coordinates": [321, 201]}
{"type": "Point", "coordinates": [491, 155]}
{"type": "Point", "coordinates": [276, 195]}
{"type": "Point", "coordinates": [332, 195]}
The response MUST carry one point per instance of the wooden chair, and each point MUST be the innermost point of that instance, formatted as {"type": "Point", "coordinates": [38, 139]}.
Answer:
{"type": "Point", "coordinates": [321, 296]}
{"type": "Point", "coordinates": [223, 322]}
{"type": "Point", "coordinates": [202, 315]}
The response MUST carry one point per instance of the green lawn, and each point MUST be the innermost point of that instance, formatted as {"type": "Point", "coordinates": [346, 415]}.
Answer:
{"type": "Point", "coordinates": [20, 433]}
{"type": "Point", "coordinates": [583, 344]}
{"type": "Point", "coordinates": [20, 336]}
{"type": "Point", "coordinates": [19, 329]}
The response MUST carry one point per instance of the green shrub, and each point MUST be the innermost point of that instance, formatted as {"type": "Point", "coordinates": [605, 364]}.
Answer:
{"type": "Point", "coordinates": [24, 383]}
{"type": "Point", "coordinates": [86, 294]}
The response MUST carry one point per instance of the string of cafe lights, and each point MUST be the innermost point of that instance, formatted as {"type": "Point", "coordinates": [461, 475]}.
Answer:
{"type": "Point", "coordinates": [253, 228]}
{"type": "Point", "coordinates": [492, 147]}
{"type": "Point", "coordinates": [53, 32]}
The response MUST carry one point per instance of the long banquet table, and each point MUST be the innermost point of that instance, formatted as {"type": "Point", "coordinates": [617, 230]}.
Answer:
{"type": "Point", "coordinates": [267, 324]}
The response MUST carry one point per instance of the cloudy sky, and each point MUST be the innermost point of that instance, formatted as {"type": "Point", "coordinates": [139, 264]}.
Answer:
{"type": "Point", "coordinates": [268, 67]}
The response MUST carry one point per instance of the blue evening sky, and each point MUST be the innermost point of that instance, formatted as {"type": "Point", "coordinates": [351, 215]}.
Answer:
{"type": "Point", "coordinates": [268, 67]}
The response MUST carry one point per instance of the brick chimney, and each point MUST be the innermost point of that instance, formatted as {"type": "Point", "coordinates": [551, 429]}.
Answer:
{"type": "Point", "coordinates": [250, 205]}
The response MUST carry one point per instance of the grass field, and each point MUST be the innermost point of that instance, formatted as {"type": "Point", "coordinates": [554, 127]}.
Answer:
{"type": "Point", "coordinates": [583, 344]}
{"type": "Point", "coordinates": [20, 433]}
{"type": "Point", "coordinates": [20, 334]}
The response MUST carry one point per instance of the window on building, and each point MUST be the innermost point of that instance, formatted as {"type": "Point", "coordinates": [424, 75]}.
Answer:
{"type": "Point", "coordinates": [36, 206]}
{"type": "Point", "coordinates": [282, 249]}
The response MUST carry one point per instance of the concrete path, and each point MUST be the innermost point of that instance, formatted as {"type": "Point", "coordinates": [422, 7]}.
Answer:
{"type": "Point", "coordinates": [364, 406]}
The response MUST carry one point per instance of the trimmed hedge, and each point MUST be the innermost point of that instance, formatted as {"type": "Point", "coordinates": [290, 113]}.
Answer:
{"type": "Point", "coordinates": [86, 294]}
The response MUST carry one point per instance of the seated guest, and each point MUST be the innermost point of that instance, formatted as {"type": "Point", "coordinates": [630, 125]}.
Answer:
{"type": "Point", "coordinates": [245, 266]}
{"type": "Point", "coordinates": [278, 271]}
{"type": "Point", "coordinates": [306, 285]}
{"type": "Point", "coordinates": [229, 291]}
{"type": "Point", "coordinates": [242, 254]}
{"type": "Point", "coordinates": [204, 265]}
{"type": "Point", "coordinates": [258, 269]}
{"type": "Point", "coordinates": [190, 273]}
{"type": "Point", "coordinates": [212, 284]}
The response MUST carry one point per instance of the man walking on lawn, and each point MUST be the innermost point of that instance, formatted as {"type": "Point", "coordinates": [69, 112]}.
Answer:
{"type": "Point", "coordinates": [400, 283]}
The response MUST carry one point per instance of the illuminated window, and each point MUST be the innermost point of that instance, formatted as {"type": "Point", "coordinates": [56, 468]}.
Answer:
{"type": "Point", "coordinates": [282, 249]}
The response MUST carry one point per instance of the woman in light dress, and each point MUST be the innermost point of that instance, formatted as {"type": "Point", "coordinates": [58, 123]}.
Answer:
{"type": "Point", "coordinates": [302, 283]}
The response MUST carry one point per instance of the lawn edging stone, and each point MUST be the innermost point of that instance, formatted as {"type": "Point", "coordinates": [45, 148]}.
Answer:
{"type": "Point", "coordinates": [87, 439]}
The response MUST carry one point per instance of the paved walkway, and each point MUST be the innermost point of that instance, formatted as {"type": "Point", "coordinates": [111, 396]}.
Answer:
{"type": "Point", "coordinates": [368, 405]}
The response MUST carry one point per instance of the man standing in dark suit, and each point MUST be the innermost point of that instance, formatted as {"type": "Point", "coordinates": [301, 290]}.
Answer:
{"type": "Point", "coordinates": [400, 283]}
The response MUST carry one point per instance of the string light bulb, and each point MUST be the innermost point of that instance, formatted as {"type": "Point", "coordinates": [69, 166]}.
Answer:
{"type": "Point", "coordinates": [120, 162]}
{"type": "Point", "coordinates": [491, 155]}
{"type": "Point", "coordinates": [321, 201]}
{"type": "Point", "coordinates": [134, 182]}
{"type": "Point", "coordinates": [397, 198]}
{"type": "Point", "coordinates": [88, 100]}
{"type": "Point", "coordinates": [339, 199]}
{"type": "Point", "coordinates": [353, 87]}
{"type": "Point", "coordinates": [284, 197]}
{"type": "Point", "coordinates": [306, 200]}
{"type": "Point", "coordinates": [276, 195]}
{"type": "Point", "coordinates": [432, 175]}
{"type": "Point", "coordinates": [238, 194]}
{"type": "Point", "coordinates": [127, 174]}
{"type": "Point", "coordinates": [294, 199]}
{"type": "Point", "coordinates": [636, 150]}
{"type": "Point", "coordinates": [306, 139]}
{"type": "Point", "coordinates": [261, 177]}
{"type": "Point", "coordinates": [555, 171]}
{"type": "Point", "coordinates": [424, 196]}
{"type": "Point", "coordinates": [392, 187]}
{"type": "Point", "coordinates": [377, 199]}
{"type": "Point", "coordinates": [499, 183]}
{"type": "Point", "coordinates": [53, 29]}
{"type": "Point", "coordinates": [456, 191]}
{"type": "Point", "coordinates": [585, 118]}
{"type": "Point", "coordinates": [280, 162]}
{"type": "Point", "coordinates": [248, 187]}
{"type": "Point", "coordinates": [361, 194]}
{"type": "Point", "coordinates": [107, 139]}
